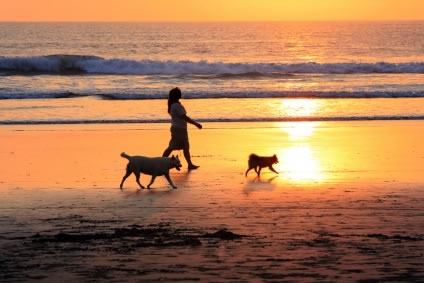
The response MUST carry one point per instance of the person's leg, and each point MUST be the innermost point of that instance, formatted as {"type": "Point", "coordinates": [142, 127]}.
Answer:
{"type": "Point", "coordinates": [186, 150]}
{"type": "Point", "coordinates": [167, 152]}
{"type": "Point", "coordinates": [187, 156]}
{"type": "Point", "coordinates": [172, 143]}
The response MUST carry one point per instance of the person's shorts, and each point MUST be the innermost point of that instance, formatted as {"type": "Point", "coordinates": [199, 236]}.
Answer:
{"type": "Point", "coordinates": [179, 139]}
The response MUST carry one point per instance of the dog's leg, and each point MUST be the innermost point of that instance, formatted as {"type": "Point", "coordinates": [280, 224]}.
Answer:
{"type": "Point", "coordinates": [250, 168]}
{"type": "Point", "coordinates": [137, 178]}
{"type": "Point", "coordinates": [151, 181]}
{"type": "Point", "coordinates": [170, 181]}
{"type": "Point", "coordinates": [259, 171]}
{"type": "Point", "coordinates": [125, 177]}
{"type": "Point", "coordinates": [256, 169]}
{"type": "Point", "coordinates": [272, 169]}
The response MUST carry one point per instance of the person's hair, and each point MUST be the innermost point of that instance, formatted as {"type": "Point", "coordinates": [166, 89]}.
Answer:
{"type": "Point", "coordinates": [174, 96]}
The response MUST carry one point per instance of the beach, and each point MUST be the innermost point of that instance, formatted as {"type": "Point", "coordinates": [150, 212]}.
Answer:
{"type": "Point", "coordinates": [347, 204]}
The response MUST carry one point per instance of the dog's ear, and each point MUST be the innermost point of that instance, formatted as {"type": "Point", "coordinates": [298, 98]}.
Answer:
{"type": "Point", "coordinates": [172, 157]}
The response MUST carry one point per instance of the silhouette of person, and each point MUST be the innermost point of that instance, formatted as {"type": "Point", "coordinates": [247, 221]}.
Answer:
{"type": "Point", "coordinates": [179, 134]}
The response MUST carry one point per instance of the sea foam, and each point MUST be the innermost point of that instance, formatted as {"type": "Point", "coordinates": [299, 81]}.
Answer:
{"type": "Point", "coordinates": [61, 64]}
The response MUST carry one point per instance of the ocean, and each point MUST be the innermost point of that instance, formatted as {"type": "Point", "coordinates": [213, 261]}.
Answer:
{"type": "Point", "coordinates": [72, 73]}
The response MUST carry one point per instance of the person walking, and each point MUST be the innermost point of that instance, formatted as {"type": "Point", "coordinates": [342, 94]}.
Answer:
{"type": "Point", "coordinates": [179, 135]}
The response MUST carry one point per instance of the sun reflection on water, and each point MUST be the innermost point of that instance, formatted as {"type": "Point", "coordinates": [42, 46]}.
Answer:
{"type": "Point", "coordinates": [298, 162]}
{"type": "Point", "coordinates": [299, 130]}
{"type": "Point", "coordinates": [299, 107]}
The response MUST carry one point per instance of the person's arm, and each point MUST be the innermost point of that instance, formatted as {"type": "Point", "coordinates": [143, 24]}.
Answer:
{"type": "Point", "coordinates": [191, 121]}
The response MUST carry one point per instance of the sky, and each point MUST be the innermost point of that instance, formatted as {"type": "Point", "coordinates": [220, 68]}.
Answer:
{"type": "Point", "coordinates": [210, 10]}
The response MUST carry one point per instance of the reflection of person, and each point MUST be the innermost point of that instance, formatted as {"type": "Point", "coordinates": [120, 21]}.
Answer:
{"type": "Point", "coordinates": [179, 135]}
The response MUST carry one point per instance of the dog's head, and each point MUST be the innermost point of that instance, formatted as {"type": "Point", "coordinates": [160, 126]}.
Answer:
{"type": "Point", "coordinates": [274, 159]}
{"type": "Point", "coordinates": [175, 161]}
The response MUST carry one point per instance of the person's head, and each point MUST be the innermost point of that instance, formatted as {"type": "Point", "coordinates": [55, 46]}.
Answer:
{"type": "Point", "coordinates": [174, 96]}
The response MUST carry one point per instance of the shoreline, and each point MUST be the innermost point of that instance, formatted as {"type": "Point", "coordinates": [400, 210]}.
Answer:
{"type": "Point", "coordinates": [21, 113]}
{"type": "Point", "coordinates": [346, 205]}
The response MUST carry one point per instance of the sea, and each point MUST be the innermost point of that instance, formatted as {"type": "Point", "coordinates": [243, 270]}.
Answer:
{"type": "Point", "coordinates": [121, 72]}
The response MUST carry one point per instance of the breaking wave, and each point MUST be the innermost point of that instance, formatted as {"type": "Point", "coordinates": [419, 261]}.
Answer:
{"type": "Point", "coordinates": [78, 64]}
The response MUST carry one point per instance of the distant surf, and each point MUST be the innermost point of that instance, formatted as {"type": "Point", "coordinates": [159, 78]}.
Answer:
{"type": "Point", "coordinates": [80, 64]}
{"type": "Point", "coordinates": [214, 95]}
{"type": "Point", "coordinates": [216, 120]}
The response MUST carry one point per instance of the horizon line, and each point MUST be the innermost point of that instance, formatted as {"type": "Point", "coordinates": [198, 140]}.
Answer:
{"type": "Point", "coordinates": [202, 21]}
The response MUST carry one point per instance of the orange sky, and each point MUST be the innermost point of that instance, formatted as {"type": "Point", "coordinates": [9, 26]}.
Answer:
{"type": "Point", "coordinates": [209, 10]}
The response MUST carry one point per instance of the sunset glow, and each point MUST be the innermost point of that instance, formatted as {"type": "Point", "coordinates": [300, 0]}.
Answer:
{"type": "Point", "coordinates": [219, 10]}
{"type": "Point", "coordinates": [199, 140]}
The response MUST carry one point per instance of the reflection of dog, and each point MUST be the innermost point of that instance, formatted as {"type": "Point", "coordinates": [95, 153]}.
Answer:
{"type": "Point", "coordinates": [154, 166]}
{"type": "Point", "coordinates": [258, 162]}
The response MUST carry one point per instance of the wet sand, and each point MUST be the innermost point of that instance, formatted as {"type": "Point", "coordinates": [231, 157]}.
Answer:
{"type": "Point", "coordinates": [346, 206]}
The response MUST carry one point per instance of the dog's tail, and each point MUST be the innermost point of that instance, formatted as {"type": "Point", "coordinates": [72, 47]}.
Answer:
{"type": "Point", "coordinates": [124, 155]}
{"type": "Point", "coordinates": [253, 156]}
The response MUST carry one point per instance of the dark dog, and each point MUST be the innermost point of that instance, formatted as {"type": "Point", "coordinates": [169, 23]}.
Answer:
{"type": "Point", "coordinates": [154, 166]}
{"type": "Point", "coordinates": [258, 162]}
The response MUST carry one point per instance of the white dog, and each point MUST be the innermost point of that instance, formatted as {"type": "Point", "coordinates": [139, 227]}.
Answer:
{"type": "Point", "coordinates": [154, 166]}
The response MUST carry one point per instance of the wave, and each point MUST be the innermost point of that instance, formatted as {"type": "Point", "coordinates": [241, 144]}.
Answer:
{"type": "Point", "coordinates": [217, 95]}
{"type": "Point", "coordinates": [216, 120]}
{"type": "Point", "coordinates": [40, 95]}
{"type": "Point", "coordinates": [53, 64]}
{"type": "Point", "coordinates": [246, 75]}
{"type": "Point", "coordinates": [79, 64]}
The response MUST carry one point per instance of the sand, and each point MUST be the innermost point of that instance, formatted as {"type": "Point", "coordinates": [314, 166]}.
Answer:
{"type": "Point", "coordinates": [347, 204]}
